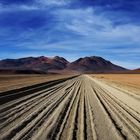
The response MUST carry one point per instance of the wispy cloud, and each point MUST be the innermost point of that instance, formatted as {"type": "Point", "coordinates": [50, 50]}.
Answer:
{"type": "Point", "coordinates": [53, 2]}
{"type": "Point", "coordinates": [87, 23]}
{"type": "Point", "coordinates": [31, 5]}
{"type": "Point", "coordinates": [63, 27]}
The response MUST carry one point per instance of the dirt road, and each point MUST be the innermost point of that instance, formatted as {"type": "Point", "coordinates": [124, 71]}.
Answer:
{"type": "Point", "coordinates": [78, 108]}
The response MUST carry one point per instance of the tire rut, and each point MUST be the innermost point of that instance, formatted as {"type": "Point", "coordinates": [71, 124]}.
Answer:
{"type": "Point", "coordinates": [75, 108]}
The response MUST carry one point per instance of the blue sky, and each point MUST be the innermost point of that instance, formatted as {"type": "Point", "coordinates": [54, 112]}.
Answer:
{"type": "Point", "coordinates": [72, 29]}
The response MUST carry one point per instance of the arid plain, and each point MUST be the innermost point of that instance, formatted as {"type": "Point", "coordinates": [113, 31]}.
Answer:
{"type": "Point", "coordinates": [70, 107]}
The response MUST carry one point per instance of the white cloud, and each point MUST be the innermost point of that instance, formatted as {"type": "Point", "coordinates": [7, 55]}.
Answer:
{"type": "Point", "coordinates": [36, 5]}
{"type": "Point", "coordinates": [83, 21]}
{"type": "Point", "coordinates": [18, 8]}
{"type": "Point", "coordinates": [96, 27]}
{"type": "Point", "coordinates": [53, 2]}
{"type": "Point", "coordinates": [83, 31]}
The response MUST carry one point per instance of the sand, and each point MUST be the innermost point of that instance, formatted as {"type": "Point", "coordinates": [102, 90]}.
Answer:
{"type": "Point", "coordinates": [76, 108]}
{"type": "Point", "coordinates": [9, 82]}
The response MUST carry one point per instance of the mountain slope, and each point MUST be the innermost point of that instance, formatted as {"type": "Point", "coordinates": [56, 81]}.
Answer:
{"type": "Point", "coordinates": [35, 63]}
{"type": "Point", "coordinates": [91, 64]}
{"type": "Point", "coordinates": [94, 64]}
{"type": "Point", "coordinates": [135, 71]}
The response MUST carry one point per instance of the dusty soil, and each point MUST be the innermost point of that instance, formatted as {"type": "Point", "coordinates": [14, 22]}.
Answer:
{"type": "Point", "coordinates": [77, 108]}
{"type": "Point", "coordinates": [129, 82]}
{"type": "Point", "coordinates": [9, 82]}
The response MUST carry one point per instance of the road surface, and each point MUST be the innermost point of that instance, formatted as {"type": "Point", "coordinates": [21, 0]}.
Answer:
{"type": "Point", "coordinates": [77, 108]}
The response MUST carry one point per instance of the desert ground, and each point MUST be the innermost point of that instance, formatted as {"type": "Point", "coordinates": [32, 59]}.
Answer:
{"type": "Point", "coordinates": [129, 82]}
{"type": "Point", "coordinates": [83, 107]}
{"type": "Point", "coordinates": [10, 82]}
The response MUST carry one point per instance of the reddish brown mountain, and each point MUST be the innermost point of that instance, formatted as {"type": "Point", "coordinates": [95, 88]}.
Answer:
{"type": "Point", "coordinates": [135, 71]}
{"type": "Point", "coordinates": [35, 63]}
{"type": "Point", "coordinates": [94, 64]}
{"type": "Point", "coordinates": [91, 64]}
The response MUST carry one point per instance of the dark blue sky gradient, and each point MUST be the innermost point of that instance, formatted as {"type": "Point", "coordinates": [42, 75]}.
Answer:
{"type": "Point", "coordinates": [72, 29]}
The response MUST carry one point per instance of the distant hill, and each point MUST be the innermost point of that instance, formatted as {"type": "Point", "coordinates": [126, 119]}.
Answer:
{"type": "Point", "coordinates": [35, 63]}
{"type": "Point", "coordinates": [41, 64]}
{"type": "Point", "coordinates": [135, 71]}
{"type": "Point", "coordinates": [94, 64]}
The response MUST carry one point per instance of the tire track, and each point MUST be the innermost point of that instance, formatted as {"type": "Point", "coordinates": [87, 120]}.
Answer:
{"type": "Point", "coordinates": [76, 108]}
{"type": "Point", "coordinates": [29, 103]}
{"type": "Point", "coordinates": [29, 118]}
{"type": "Point", "coordinates": [29, 109]}
{"type": "Point", "coordinates": [53, 132]}
{"type": "Point", "coordinates": [15, 94]}
{"type": "Point", "coordinates": [13, 104]}
{"type": "Point", "coordinates": [129, 126]}
{"type": "Point", "coordinates": [39, 125]}
{"type": "Point", "coordinates": [90, 120]}
{"type": "Point", "coordinates": [103, 124]}
{"type": "Point", "coordinates": [125, 122]}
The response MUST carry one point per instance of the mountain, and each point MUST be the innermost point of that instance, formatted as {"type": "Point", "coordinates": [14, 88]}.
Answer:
{"type": "Point", "coordinates": [135, 71]}
{"type": "Point", "coordinates": [94, 64]}
{"type": "Point", "coordinates": [35, 63]}
{"type": "Point", "coordinates": [55, 64]}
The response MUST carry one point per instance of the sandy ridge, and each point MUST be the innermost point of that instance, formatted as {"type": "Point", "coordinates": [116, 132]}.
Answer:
{"type": "Point", "coordinates": [77, 108]}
